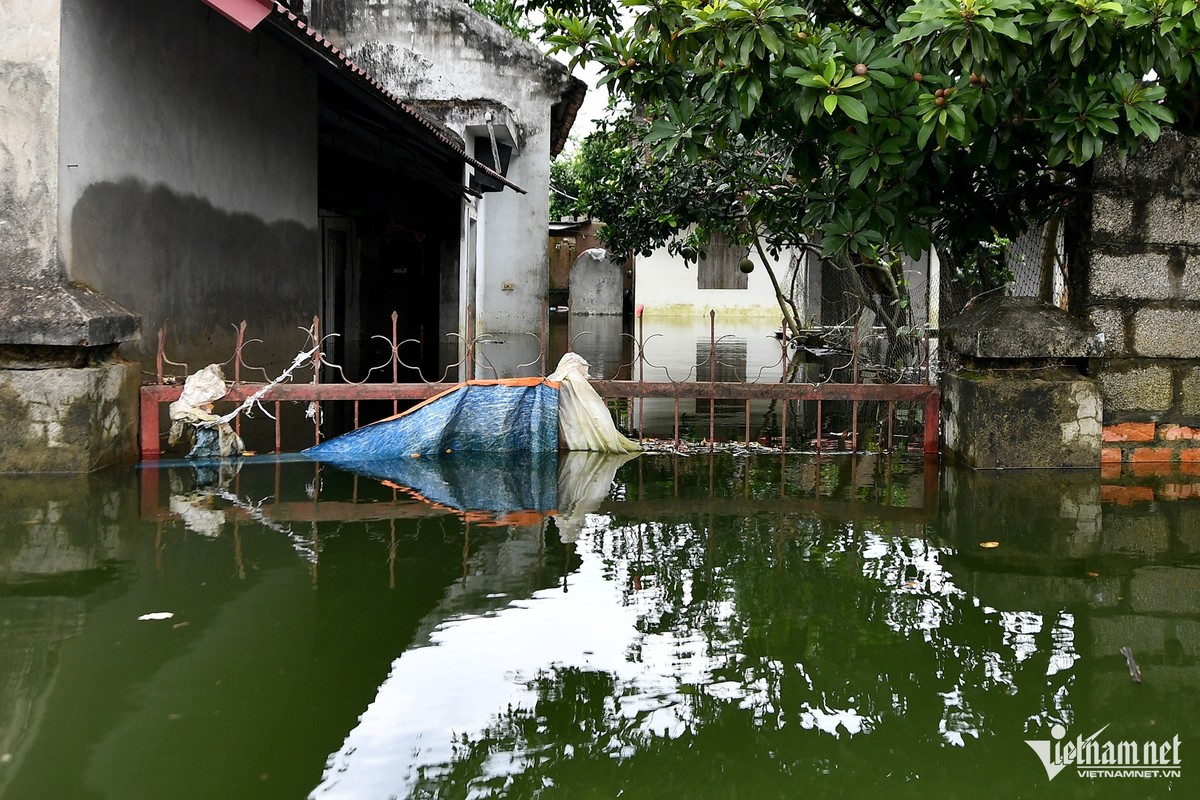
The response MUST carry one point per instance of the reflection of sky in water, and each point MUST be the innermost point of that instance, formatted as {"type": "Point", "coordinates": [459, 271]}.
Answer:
{"type": "Point", "coordinates": [482, 663]}
{"type": "Point", "coordinates": [478, 666]}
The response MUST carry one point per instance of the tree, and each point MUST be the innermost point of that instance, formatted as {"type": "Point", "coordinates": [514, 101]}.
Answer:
{"type": "Point", "coordinates": [880, 127]}
{"type": "Point", "coordinates": [512, 15]}
{"type": "Point", "coordinates": [565, 187]}
{"type": "Point", "coordinates": [680, 203]}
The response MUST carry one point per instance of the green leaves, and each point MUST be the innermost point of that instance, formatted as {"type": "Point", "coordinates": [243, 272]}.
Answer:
{"type": "Point", "coordinates": [1141, 105]}
{"type": "Point", "coordinates": [1080, 26]}
{"type": "Point", "coordinates": [886, 132]}
{"type": "Point", "coordinates": [975, 33]}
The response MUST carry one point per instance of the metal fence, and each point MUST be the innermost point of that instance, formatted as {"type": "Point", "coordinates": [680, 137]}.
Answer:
{"type": "Point", "coordinates": [808, 383]}
{"type": "Point", "coordinates": [1035, 265]}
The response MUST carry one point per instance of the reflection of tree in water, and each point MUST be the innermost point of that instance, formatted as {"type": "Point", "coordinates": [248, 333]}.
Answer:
{"type": "Point", "coordinates": [778, 648]}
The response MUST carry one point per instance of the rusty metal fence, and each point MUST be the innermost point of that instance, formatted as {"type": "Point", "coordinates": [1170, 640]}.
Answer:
{"type": "Point", "coordinates": [850, 382]}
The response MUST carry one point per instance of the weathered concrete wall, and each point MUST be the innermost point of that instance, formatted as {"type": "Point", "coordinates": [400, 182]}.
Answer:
{"type": "Point", "coordinates": [68, 406]}
{"type": "Point", "coordinates": [68, 420]}
{"type": "Point", "coordinates": [596, 284]}
{"type": "Point", "coordinates": [1000, 420]}
{"type": "Point", "coordinates": [36, 306]}
{"type": "Point", "coordinates": [29, 85]}
{"type": "Point", "coordinates": [1141, 284]}
{"type": "Point", "coordinates": [1018, 400]}
{"type": "Point", "coordinates": [460, 67]}
{"type": "Point", "coordinates": [189, 176]}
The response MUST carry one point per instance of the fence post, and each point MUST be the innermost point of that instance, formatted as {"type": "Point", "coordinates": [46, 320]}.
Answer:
{"type": "Point", "coordinates": [316, 405]}
{"type": "Point", "coordinates": [712, 376]}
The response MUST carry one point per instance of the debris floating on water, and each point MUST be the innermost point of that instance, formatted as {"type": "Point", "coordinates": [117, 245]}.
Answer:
{"type": "Point", "coordinates": [1135, 672]}
{"type": "Point", "coordinates": [155, 615]}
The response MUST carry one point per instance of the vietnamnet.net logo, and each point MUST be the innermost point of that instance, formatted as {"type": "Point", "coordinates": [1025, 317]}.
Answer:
{"type": "Point", "coordinates": [1093, 758]}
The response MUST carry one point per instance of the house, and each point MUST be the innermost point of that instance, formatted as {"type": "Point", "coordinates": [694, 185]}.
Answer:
{"type": "Point", "coordinates": [209, 161]}
{"type": "Point", "coordinates": [512, 107]}
{"type": "Point", "coordinates": [668, 286]}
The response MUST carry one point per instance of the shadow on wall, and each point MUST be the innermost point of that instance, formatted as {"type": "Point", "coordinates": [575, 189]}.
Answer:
{"type": "Point", "coordinates": [170, 256]}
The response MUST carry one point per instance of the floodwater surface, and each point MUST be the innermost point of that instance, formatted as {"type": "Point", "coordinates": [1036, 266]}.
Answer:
{"type": "Point", "coordinates": [662, 626]}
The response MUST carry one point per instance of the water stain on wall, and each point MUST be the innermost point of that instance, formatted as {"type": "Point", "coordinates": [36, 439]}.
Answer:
{"type": "Point", "coordinates": [169, 256]}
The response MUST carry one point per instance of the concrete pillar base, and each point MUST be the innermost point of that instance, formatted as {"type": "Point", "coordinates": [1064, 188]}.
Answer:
{"type": "Point", "coordinates": [1003, 421]}
{"type": "Point", "coordinates": [68, 419]}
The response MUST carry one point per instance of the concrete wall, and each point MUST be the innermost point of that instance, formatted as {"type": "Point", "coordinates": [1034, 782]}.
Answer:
{"type": "Point", "coordinates": [29, 142]}
{"type": "Point", "coordinates": [1141, 287]}
{"type": "Point", "coordinates": [69, 405]}
{"type": "Point", "coordinates": [460, 66]}
{"type": "Point", "coordinates": [189, 176]}
{"type": "Point", "coordinates": [596, 284]}
{"type": "Point", "coordinates": [668, 287]}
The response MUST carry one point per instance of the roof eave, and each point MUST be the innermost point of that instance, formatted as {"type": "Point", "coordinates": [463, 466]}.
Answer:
{"type": "Point", "coordinates": [286, 23]}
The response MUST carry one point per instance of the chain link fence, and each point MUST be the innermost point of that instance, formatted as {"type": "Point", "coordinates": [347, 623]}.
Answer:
{"type": "Point", "coordinates": [830, 299]}
{"type": "Point", "coordinates": [1034, 265]}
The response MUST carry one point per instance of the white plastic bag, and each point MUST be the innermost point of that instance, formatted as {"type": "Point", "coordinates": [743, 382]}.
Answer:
{"type": "Point", "coordinates": [583, 420]}
{"type": "Point", "coordinates": [193, 409]}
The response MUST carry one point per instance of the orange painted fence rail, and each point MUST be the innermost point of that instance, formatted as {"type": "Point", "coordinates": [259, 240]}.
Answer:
{"type": "Point", "coordinates": [154, 397]}
{"type": "Point", "coordinates": [375, 386]}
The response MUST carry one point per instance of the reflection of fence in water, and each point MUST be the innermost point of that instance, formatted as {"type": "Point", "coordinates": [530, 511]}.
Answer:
{"type": "Point", "coordinates": [731, 387]}
{"type": "Point", "coordinates": [310, 503]}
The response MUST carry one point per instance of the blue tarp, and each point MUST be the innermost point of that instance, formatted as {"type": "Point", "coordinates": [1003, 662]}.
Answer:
{"type": "Point", "coordinates": [497, 483]}
{"type": "Point", "coordinates": [505, 416]}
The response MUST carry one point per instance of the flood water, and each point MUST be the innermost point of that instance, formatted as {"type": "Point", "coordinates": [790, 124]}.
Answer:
{"type": "Point", "coordinates": [664, 626]}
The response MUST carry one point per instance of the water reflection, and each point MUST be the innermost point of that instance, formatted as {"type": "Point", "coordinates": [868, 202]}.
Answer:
{"type": "Point", "coordinates": [667, 626]}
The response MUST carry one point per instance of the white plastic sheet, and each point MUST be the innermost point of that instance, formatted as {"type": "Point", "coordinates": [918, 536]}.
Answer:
{"type": "Point", "coordinates": [584, 422]}
{"type": "Point", "coordinates": [192, 412]}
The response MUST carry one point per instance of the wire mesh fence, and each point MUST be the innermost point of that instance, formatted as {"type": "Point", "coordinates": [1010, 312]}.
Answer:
{"type": "Point", "coordinates": [1033, 265]}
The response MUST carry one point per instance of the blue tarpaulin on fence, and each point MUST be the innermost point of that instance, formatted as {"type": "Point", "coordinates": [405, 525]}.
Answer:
{"type": "Point", "coordinates": [503, 416]}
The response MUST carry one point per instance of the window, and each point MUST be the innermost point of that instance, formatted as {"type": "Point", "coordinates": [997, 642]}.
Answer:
{"type": "Point", "coordinates": [721, 269]}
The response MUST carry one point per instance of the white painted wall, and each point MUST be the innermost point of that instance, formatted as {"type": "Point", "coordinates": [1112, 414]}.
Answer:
{"type": "Point", "coordinates": [668, 287]}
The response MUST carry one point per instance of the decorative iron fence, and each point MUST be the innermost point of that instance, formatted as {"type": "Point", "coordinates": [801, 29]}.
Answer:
{"type": "Point", "coordinates": [826, 366]}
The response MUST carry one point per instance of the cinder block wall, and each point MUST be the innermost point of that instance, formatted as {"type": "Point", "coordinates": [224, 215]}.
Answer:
{"type": "Point", "coordinates": [1141, 287]}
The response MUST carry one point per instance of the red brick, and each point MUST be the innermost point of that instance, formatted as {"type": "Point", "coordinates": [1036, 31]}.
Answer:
{"type": "Point", "coordinates": [1125, 495]}
{"type": "Point", "coordinates": [1173, 433]}
{"type": "Point", "coordinates": [1179, 491]}
{"type": "Point", "coordinates": [1148, 468]}
{"type": "Point", "coordinates": [1110, 471]}
{"type": "Point", "coordinates": [1144, 455]}
{"type": "Point", "coordinates": [1129, 432]}
{"type": "Point", "coordinates": [1110, 455]}
{"type": "Point", "coordinates": [1170, 491]}
{"type": "Point", "coordinates": [1189, 456]}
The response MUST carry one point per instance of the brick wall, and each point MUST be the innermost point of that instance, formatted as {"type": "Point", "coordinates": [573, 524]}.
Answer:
{"type": "Point", "coordinates": [1141, 287]}
{"type": "Point", "coordinates": [1137, 443]}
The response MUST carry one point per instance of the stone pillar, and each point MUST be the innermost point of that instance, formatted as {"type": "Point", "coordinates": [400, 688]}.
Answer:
{"type": "Point", "coordinates": [595, 284]}
{"type": "Point", "coordinates": [1018, 400]}
{"type": "Point", "coordinates": [68, 404]}
{"type": "Point", "coordinates": [1141, 287]}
